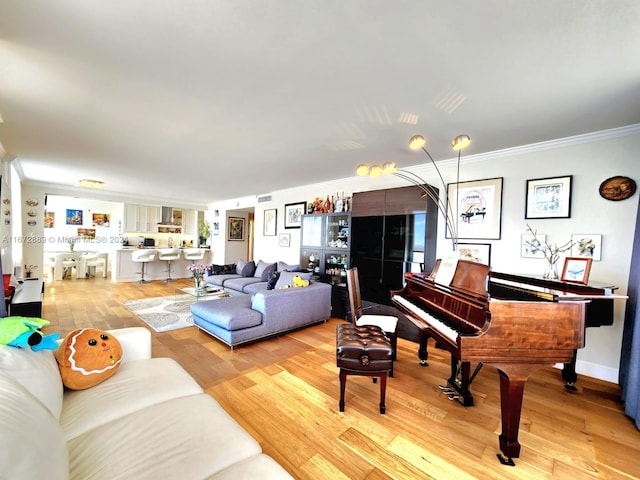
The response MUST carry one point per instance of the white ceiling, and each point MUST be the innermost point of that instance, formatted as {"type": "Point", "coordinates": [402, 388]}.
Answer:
{"type": "Point", "coordinates": [203, 100]}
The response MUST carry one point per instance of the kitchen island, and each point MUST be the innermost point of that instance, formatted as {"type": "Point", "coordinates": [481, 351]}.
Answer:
{"type": "Point", "coordinates": [124, 269]}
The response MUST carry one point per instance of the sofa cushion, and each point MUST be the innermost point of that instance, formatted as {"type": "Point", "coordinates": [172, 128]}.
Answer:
{"type": "Point", "coordinates": [273, 279]}
{"type": "Point", "coordinates": [219, 280]}
{"type": "Point", "coordinates": [233, 313]}
{"type": "Point", "coordinates": [255, 287]}
{"type": "Point", "coordinates": [245, 269]}
{"type": "Point", "coordinates": [37, 372]}
{"type": "Point", "coordinates": [286, 278]}
{"type": "Point", "coordinates": [284, 267]}
{"type": "Point", "coordinates": [238, 284]}
{"type": "Point", "coordinates": [262, 466]}
{"type": "Point", "coordinates": [263, 269]}
{"type": "Point", "coordinates": [32, 444]}
{"type": "Point", "coordinates": [187, 437]}
{"type": "Point", "coordinates": [137, 385]}
{"type": "Point", "coordinates": [221, 269]}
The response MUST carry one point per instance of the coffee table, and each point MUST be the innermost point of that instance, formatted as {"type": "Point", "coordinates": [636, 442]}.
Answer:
{"type": "Point", "coordinates": [202, 294]}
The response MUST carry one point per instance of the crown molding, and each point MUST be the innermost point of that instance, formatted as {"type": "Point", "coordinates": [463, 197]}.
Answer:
{"type": "Point", "coordinates": [554, 144]}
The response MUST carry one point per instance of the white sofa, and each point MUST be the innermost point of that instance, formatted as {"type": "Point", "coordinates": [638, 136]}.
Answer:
{"type": "Point", "coordinates": [150, 420]}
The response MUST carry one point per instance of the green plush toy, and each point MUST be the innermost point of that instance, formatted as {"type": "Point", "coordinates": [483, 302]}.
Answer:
{"type": "Point", "coordinates": [25, 332]}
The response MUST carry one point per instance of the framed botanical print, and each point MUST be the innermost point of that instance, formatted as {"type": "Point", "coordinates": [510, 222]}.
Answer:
{"type": "Point", "coordinates": [549, 197]}
{"type": "Point", "coordinates": [586, 245]}
{"type": "Point", "coordinates": [476, 208]}
{"type": "Point", "coordinates": [235, 229]}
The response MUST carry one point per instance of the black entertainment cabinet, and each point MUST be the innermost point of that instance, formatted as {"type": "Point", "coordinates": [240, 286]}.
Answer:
{"type": "Point", "coordinates": [393, 231]}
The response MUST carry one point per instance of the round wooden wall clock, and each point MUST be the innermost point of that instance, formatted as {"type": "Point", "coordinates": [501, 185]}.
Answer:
{"type": "Point", "coordinates": [617, 188]}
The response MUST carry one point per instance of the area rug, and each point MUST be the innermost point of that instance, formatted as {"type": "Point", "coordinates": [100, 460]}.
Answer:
{"type": "Point", "coordinates": [163, 313]}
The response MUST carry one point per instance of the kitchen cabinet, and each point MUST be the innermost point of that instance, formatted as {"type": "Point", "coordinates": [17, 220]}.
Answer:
{"type": "Point", "coordinates": [141, 218]}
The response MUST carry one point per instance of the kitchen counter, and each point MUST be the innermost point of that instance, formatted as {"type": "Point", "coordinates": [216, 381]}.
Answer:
{"type": "Point", "coordinates": [124, 269]}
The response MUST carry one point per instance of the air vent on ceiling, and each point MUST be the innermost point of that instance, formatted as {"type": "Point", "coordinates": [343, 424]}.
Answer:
{"type": "Point", "coordinates": [264, 198]}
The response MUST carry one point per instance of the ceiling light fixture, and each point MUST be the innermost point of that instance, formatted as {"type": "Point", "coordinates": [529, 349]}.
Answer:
{"type": "Point", "coordinates": [90, 183]}
{"type": "Point", "coordinates": [418, 142]}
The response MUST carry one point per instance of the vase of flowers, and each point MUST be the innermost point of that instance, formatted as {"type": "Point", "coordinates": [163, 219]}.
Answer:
{"type": "Point", "coordinates": [197, 270]}
{"type": "Point", "coordinates": [551, 252]}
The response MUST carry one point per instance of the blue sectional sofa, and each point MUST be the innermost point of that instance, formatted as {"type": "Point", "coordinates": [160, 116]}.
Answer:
{"type": "Point", "coordinates": [253, 311]}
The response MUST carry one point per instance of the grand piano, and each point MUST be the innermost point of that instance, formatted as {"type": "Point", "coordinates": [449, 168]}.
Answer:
{"type": "Point", "coordinates": [516, 324]}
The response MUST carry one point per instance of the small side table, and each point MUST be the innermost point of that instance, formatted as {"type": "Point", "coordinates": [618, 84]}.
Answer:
{"type": "Point", "coordinates": [27, 301]}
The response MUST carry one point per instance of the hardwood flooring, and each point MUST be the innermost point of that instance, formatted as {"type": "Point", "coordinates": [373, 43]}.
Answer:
{"type": "Point", "coordinates": [285, 392]}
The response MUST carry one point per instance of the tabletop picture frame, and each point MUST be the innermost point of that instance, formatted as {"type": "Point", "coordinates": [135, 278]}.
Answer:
{"type": "Point", "coordinates": [270, 222]}
{"type": "Point", "coordinates": [475, 252]}
{"type": "Point", "coordinates": [293, 214]}
{"type": "Point", "coordinates": [576, 270]}
{"type": "Point", "coordinates": [548, 197]}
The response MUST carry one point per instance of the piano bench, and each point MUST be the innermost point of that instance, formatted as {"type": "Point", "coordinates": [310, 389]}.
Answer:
{"type": "Point", "coordinates": [363, 351]}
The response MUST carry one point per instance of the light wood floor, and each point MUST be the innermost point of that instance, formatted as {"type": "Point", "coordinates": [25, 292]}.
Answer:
{"type": "Point", "coordinates": [285, 392]}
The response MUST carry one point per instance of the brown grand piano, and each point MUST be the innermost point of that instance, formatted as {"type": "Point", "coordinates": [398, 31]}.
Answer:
{"type": "Point", "coordinates": [515, 335]}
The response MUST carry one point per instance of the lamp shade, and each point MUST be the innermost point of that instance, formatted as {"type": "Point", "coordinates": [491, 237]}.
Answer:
{"type": "Point", "coordinates": [416, 142]}
{"type": "Point", "coordinates": [363, 170]}
{"type": "Point", "coordinates": [460, 142]}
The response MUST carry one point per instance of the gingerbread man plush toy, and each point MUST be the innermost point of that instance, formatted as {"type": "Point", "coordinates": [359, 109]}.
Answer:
{"type": "Point", "coordinates": [88, 356]}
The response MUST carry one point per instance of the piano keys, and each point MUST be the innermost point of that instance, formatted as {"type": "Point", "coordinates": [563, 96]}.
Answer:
{"type": "Point", "coordinates": [515, 336]}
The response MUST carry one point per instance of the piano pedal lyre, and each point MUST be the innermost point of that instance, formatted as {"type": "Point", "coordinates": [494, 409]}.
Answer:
{"type": "Point", "coordinates": [449, 392]}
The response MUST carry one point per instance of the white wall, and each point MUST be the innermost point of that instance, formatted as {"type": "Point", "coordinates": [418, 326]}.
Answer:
{"type": "Point", "coordinates": [589, 158]}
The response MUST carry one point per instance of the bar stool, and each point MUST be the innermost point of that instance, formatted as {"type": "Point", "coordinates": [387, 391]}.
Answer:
{"type": "Point", "coordinates": [193, 254]}
{"type": "Point", "coordinates": [168, 255]}
{"type": "Point", "coordinates": [143, 256]}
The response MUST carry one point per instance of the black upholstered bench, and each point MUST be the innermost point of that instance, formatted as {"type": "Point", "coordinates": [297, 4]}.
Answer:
{"type": "Point", "coordinates": [363, 351]}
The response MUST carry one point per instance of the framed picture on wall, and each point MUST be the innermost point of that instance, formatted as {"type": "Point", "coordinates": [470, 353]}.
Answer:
{"type": "Point", "coordinates": [100, 220]}
{"type": "Point", "coordinates": [74, 217]}
{"type": "Point", "coordinates": [477, 208]}
{"type": "Point", "coordinates": [586, 245]}
{"type": "Point", "coordinates": [235, 229]}
{"type": "Point", "coordinates": [293, 214]}
{"type": "Point", "coordinates": [548, 197]}
{"type": "Point", "coordinates": [284, 240]}
{"type": "Point", "coordinates": [270, 222]}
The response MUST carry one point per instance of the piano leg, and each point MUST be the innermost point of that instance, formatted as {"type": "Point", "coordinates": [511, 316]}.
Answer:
{"type": "Point", "coordinates": [512, 381]}
{"type": "Point", "coordinates": [422, 349]}
{"type": "Point", "coordinates": [569, 374]}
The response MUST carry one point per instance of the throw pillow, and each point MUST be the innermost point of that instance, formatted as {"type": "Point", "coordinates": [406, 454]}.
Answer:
{"type": "Point", "coordinates": [286, 278]}
{"type": "Point", "coordinates": [283, 267]}
{"type": "Point", "coordinates": [240, 264]}
{"type": "Point", "coordinates": [273, 279]}
{"type": "Point", "coordinates": [249, 269]}
{"type": "Point", "coordinates": [215, 269]}
{"type": "Point", "coordinates": [263, 269]}
{"type": "Point", "coordinates": [87, 357]}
